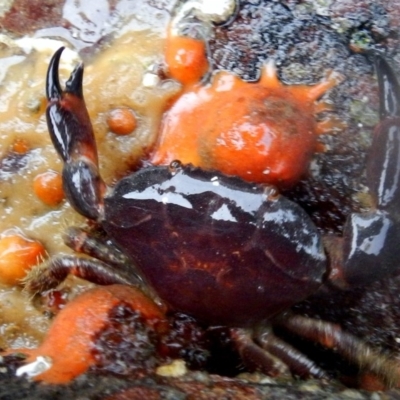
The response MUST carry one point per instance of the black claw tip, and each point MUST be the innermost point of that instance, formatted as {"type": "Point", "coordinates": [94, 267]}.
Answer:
{"type": "Point", "coordinates": [53, 88]}
{"type": "Point", "coordinates": [389, 88]}
{"type": "Point", "coordinates": [74, 83]}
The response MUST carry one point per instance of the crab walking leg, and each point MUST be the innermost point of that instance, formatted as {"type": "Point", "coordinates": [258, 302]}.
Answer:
{"type": "Point", "coordinates": [72, 135]}
{"type": "Point", "coordinates": [84, 242]}
{"type": "Point", "coordinates": [121, 266]}
{"type": "Point", "coordinates": [370, 244]}
{"type": "Point", "coordinates": [331, 336]}
{"type": "Point", "coordinates": [262, 350]}
{"type": "Point", "coordinates": [254, 356]}
{"type": "Point", "coordinates": [50, 274]}
{"type": "Point", "coordinates": [298, 363]}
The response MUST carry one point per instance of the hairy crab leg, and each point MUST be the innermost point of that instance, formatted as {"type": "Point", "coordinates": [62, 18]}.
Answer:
{"type": "Point", "coordinates": [72, 135]}
{"type": "Point", "coordinates": [109, 265]}
{"type": "Point", "coordinates": [332, 336]}
{"type": "Point", "coordinates": [254, 356]}
{"type": "Point", "coordinates": [85, 242]}
{"type": "Point", "coordinates": [299, 364]}
{"type": "Point", "coordinates": [51, 273]}
{"type": "Point", "coordinates": [262, 350]}
{"type": "Point", "coordinates": [122, 267]}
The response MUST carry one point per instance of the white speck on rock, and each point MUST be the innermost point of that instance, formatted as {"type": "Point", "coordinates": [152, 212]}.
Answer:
{"type": "Point", "coordinates": [41, 364]}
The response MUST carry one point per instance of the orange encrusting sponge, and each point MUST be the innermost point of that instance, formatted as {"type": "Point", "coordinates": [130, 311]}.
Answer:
{"type": "Point", "coordinates": [262, 131]}
{"type": "Point", "coordinates": [69, 342]}
{"type": "Point", "coordinates": [18, 255]}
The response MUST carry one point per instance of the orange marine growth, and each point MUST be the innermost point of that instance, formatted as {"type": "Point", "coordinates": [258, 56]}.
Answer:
{"type": "Point", "coordinates": [18, 255]}
{"type": "Point", "coordinates": [69, 342]}
{"type": "Point", "coordinates": [48, 188]}
{"type": "Point", "coordinates": [262, 131]}
{"type": "Point", "coordinates": [186, 58]}
{"type": "Point", "coordinates": [121, 121]}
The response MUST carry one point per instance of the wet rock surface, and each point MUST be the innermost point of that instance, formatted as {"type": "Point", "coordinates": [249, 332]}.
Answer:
{"type": "Point", "coordinates": [194, 385]}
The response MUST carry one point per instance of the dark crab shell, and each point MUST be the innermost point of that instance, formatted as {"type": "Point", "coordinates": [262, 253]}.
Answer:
{"type": "Point", "coordinates": [230, 253]}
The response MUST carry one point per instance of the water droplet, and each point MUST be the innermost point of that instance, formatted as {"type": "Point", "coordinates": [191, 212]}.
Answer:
{"type": "Point", "coordinates": [271, 193]}
{"type": "Point", "coordinates": [267, 171]}
{"type": "Point", "coordinates": [175, 167]}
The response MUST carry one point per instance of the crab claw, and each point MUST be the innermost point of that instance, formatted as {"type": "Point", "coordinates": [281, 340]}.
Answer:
{"type": "Point", "coordinates": [72, 135]}
{"type": "Point", "coordinates": [371, 240]}
{"type": "Point", "coordinates": [67, 114]}
{"type": "Point", "coordinates": [389, 89]}
{"type": "Point", "coordinates": [383, 168]}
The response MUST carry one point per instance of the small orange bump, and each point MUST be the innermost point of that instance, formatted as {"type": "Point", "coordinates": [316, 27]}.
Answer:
{"type": "Point", "coordinates": [48, 188]}
{"type": "Point", "coordinates": [17, 256]}
{"type": "Point", "coordinates": [70, 341]}
{"type": "Point", "coordinates": [20, 146]}
{"type": "Point", "coordinates": [186, 59]}
{"type": "Point", "coordinates": [121, 121]}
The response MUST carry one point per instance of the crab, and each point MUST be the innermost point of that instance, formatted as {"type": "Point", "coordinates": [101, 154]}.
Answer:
{"type": "Point", "coordinates": [201, 240]}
